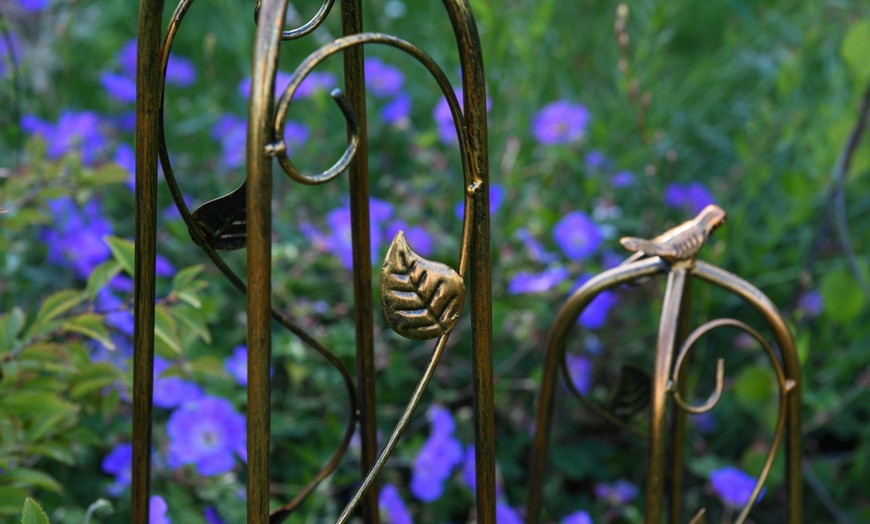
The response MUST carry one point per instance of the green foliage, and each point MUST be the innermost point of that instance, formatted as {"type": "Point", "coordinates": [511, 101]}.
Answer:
{"type": "Point", "coordinates": [33, 513]}
{"type": "Point", "coordinates": [754, 99]}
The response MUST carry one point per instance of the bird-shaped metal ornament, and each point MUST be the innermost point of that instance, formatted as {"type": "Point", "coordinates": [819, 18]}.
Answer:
{"type": "Point", "coordinates": [682, 242]}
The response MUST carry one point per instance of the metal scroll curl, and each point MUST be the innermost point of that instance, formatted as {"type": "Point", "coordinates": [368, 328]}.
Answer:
{"type": "Point", "coordinates": [667, 374]}
{"type": "Point", "coordinates": [305, 29]}
{"type": "Point", "coordinates": [206, 245]}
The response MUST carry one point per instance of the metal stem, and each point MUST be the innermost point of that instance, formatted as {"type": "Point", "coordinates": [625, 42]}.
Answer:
{"type": "Point", "coordinates": [147, 108]}
{"type": "Point", "coordinates": [658, 407]}
{"type": "Point", "coordinates": [259, 234]}
{"type": "Point", "coordinates": [678, 420]}
{"type": "Point", "coordinates": [358, 173]}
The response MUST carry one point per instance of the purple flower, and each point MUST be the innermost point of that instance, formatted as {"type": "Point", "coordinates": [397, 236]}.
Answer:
{"type": "Point", "coordinates": [237, 365]}
{"type": "Point", "coordinates": [435, 462]}
{"type": "Point", "coordinates": [691, 197]}
{"type": "Point", "coordinates": [577, 235]}
{"type": "Point", "coordinates": [206, 432]}
{"type": "Point", "coordinates": [74, 132]}
{"type": "Point", "coordinates": [618, 494]}
{"type": "Point", "coordinates": [397, 110]}
{"type": "Point", "coordinates": [125, 157]}
{"type": "Point", "coordinates": [211, 516]}
{"type": "Point", "coordinates": [444, 119]}
{"type": "Point", "coordinates": [733, 486]}
{"type": "Point", "coordinates": [705, 422]}
{"type": "Point", "coordinates": [382, 79]}
{"type": "Point", "coordinates": [33, 5]}
{"type": "Point", "coordinates": [340, 238]}
{"type": "Point", "coordinates": [622, 179]}
{"type": "Point", "coordinates": [163, 267]}
{"type": "Point", "coordinates": [418, 238]}
{"type": "Point", "coordinates": [295, 134]}
{"type": "Point", "coordinates": [596, 161]}
{"type": "Point", "coordinates": [580, 371]}
{"type": "Point", "coordinates": [157, 511]}
{"type": "Point", "coordinates": [171, 392]}
{"type": "Point", "coordinates": [596, 312]}
{"type": "Point", "coordinates": [180, 71]}
{"type": "Point", "coordinates": [126, 58]}
{"type": "Point", "coordinates": [117, 314]}
{"type": "Point", "coordinates": [232, 134]}
{"type": "Point", "coordinates": [393, 506]}
{"type": "Point", "coordinates": [76, 240]}
{"type": "Point", "coordinates": [534, 248]}
{"type": "Point", "coordinates": [315, 82]}
{"type": "Point", "coordinates": [811, 303]}
{"type": "Point", "coordinates": [527, 283]}
{"type": "Point", "coordinates": [119, 87]}
{"type": "Point", "coordinates": [505, 514]}
{"type": "Point", "coordinates": [580, 517]}
{"type": "Point", "coordinates": [119, 462]}
{"type": "Point", "coordinates": [7, 47]}
{"type": "Point", "coordinates": [560, 122]}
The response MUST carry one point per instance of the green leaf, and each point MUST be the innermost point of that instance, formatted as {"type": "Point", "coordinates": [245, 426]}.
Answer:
{"type": "Point", "coordinates": [192, 319]}
{"type": "Point", "coordinates": [190, 298]}
{"type": "Point", "coordinates": [856, 49]}
{"type": "Point", "coordinates": [91, 325]}
{"type": "Point", "coordinates": [753, 387]}
{"type": "Point", "coordinates": [842, 297]}
{"type": "Point", "coordinates": [123, 251]}
{"type": "Point", "coordinates": [101, 276]}
{"type": "Point", "coordinates": [54, 306]}
{"type": "Point", "coordinates": [11, 500]}
{"type": "Point", "coordinates": [33, 513]}
{"type": "Point", "coordinates": [186, 276]}
{"type": "Point", "coordinates": [166, 329]}
{"type": "Point", "coordinates": [36, 404]}
{"type": "Point", "coordinates": [10, 325]}
{"type": "Point", "coordinates": [31, 478]}
{"type": "Point", "coordinates": [55, 451]}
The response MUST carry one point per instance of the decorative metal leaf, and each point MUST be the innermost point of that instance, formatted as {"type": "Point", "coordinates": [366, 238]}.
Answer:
{"type": "Point", "coordinates": [222, 221]}
{"type": "Point", "coordinates": [632, 393]}
{"type": "Point", "coordinates": [421, 299]}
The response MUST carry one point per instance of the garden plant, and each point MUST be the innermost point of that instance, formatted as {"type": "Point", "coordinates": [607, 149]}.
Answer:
{"type": "Point", "coordinates": [605, 120]}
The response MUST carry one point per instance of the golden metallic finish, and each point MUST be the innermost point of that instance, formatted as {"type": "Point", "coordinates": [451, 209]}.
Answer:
{"type": "Point", "coordinates": [677, 248]}
{"type": "Point", "coordinates": [682, 242]}
{"type": "Point", "coordinates": [144, 274]}
{"type": "Point", "coordinates": [422, 299]}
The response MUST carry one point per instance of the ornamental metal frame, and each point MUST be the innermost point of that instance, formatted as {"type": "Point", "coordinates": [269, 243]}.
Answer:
{"type": "Point", "coordinates": [422, 299]}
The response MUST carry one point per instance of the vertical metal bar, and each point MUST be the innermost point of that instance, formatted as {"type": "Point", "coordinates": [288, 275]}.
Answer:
{"type": "Point", "coordinates": [147, 107]}
{"type": "Point", "coordinates": [358, 173]}
{"type": "Point", "coordinates": [658, 408]}
{"type": "Point", "coordinates": [259, 231]}
{"type": "Point", "coordinates": [474, 93]}
{"type": "Point", "coordinates": [678, 422]}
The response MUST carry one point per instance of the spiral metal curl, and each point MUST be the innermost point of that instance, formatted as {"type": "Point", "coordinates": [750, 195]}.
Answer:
{"type": "Point", "coordinates": [305, 29]}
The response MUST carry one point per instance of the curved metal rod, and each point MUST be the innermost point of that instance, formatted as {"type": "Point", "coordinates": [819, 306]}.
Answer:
{"type": "Point", "coordinates": [305, 29]}
{"type": "Point", "coordinates": [315, 58]}
{"type": "Point", "coordinates": [554, 360]}
{"type": "Point", "coordinates": [236, 281]}
{"type": "Point", "coordinates": [790, 393]}
{"type": "Point", "coordinates": [711, 401]}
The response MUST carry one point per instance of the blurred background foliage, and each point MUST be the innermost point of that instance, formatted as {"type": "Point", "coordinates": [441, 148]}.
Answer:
{"type": "Point", "coordinates": [666, 106]}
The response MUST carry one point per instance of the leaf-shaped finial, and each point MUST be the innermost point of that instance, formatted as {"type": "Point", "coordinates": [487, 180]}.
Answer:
{"type": "Point", "coordinates": [422, 299]}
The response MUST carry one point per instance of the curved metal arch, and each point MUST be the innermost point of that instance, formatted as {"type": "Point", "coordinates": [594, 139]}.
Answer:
{"type": "Point", "coordinates": [305, 29]}
{"type": "Point", "coordinates": [554, 358]}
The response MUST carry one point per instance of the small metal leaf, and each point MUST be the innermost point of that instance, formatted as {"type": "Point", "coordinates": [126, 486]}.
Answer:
{"type": "Point", "coordinates": [222, 221]}
{"type": "Point", "coordinates": [632, 393]}
{"type": "Point", "coordinates": [421, 299]}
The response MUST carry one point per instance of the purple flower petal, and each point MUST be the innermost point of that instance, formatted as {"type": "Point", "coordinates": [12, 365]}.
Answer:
{"type": "Point", "coordinates": [577, 235]}
{"type": "Point", "coordinates": [560, 122]}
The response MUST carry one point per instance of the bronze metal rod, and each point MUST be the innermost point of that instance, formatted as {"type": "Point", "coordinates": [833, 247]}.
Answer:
{"type": "Point", "coordinates": [793, 446]}
{"type": "Point", "coordinates": [667, 337]}
{"type": "Point", "coordinates": [358, 174]}
{"type": "Point", "coordinates": [259, 236]}
{"type": "Point", "coordinates": [144, 274]}
{"type": "Point", "coordinates": [678, 420]}
{"type": "Point", "coordinates": [474, 93]}
{"type": "Point", "coordinates": [556, 341]}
